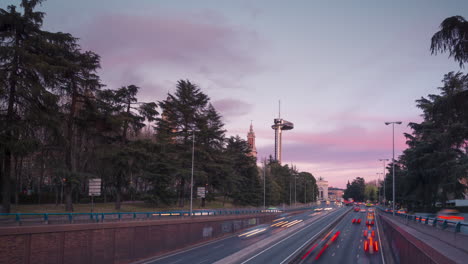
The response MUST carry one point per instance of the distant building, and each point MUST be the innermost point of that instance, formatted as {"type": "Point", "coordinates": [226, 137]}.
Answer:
{"type": "Point", "coordinates": [251, 141]}
{"type": "Point", "coordinates": [335, 193]}
{"type": "Point", "coordinates": [323, 189]}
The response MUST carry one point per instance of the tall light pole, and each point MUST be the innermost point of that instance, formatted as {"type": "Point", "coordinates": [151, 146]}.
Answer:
{"type": "Point", "coordinates": [191, 180]}
{"type": "Point", "coordinates": [384, 193]}
{"type": "Point", "coordinates": [290, 192]}
{"type": "Point", "coordinates": [378, 188]}
{"type": "Point", "coordinates": [393, 159]}
{"type": "Point", "coordinates": [295, 190]}
{"type": "Point", "coordinates": [305, 190]}
{"type": "Point", "coordinates": [264, 184]}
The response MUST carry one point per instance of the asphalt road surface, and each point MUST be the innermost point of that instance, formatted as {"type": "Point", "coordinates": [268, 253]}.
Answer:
{"type": "Point", "coordinates": [284, 250]}
{"type": "Point", "coordinates": [348, 246]}
{"type": "Point", "coordinates": [219, 249]}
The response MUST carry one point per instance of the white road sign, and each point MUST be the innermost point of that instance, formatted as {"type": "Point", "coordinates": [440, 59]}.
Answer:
{"type": "Point", "coordinates": [94, 187]}
{"type": "Point", "coordinates": [201, 192]}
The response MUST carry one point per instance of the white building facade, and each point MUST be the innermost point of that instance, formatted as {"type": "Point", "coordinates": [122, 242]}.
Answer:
{"type": "Point", "coordinates": [322, 189]}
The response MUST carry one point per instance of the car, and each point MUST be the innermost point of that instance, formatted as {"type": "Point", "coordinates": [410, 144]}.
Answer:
{"type": "Point", "coordinates": [370, 219]}
{"type": "Point", "coordinates": [363, 210]}
{"type": "Point", "coordinates": [356, 209]}
{"type": "Point", "coordinates": [370, 243]}
{"type": "Point", "coordinates": [450, 214]}
{"type": "Point", "coordinates": [401, 211]}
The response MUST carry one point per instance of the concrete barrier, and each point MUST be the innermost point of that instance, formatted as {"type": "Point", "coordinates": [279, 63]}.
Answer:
{"type": "Point", "coordinates": [409, 245]}
{"type": "Point", "coordinates": [120, 242]}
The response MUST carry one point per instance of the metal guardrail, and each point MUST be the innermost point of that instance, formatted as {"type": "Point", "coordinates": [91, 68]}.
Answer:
{"type": "Point", "coordinates": [429, 221]}
{"type": "Point", "coordinates": [63, 218]}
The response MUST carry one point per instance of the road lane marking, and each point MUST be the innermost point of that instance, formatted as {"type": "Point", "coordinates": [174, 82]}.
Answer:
{"type": "Point", "coordinates": [286, 238]}
{"type": "Point", "coordinates": [380, 242]}
{"type": "Point", "coordinates": [176, 261]}
{"type": "Point", "coordinates": [333, 254]}
{"type": "Point", "coordinates": [308, 241]}
{"type": "Point", "coordinates": [357, 256]}
{"type": "Point", "coordinates": [218, 246]}
{"type": "Point", "coordinates": [187, 250]}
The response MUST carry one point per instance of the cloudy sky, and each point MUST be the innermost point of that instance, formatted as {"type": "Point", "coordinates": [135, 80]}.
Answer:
{"type": "Point", "coordinates": [340, 68]}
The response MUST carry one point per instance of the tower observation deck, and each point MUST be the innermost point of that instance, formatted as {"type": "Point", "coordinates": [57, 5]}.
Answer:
{"type": "Point", "coordinates": [280, 125]}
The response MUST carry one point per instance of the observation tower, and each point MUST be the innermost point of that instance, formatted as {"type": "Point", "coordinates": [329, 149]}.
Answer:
{"type": "Point", "coordinates": [279, 125]}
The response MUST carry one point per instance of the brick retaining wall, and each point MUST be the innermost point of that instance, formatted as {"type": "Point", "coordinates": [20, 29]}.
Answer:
{"type": "Point", "coordinates": [119, 242]}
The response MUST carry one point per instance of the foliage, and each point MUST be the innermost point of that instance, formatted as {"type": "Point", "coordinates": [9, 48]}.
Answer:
{"type": "Point", "coordinates": [435, 165]}
{"type": "Point", "coordinates": [356, 190]}
{"type": "Point", "coordinates": [59, 128]}
{"type": "Point", "coordinates": [452, 37]}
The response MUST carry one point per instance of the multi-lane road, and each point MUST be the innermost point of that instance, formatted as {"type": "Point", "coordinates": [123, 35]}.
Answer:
{"type": "Point", "coordinates": [346, 242]}
{"type": "Point", "coordinates": [303, 238]}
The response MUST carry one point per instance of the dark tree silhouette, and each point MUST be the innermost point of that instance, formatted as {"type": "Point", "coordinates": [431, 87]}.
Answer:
{"type": "Point", "coordinates": [452, 37]}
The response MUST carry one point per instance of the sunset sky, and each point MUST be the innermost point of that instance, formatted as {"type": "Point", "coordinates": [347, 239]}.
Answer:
{"type": "Point", "coordinates": [340, 68]}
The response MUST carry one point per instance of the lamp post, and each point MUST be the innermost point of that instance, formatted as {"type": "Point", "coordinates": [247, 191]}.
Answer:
{"type": "Point", "coordinates": [191, 179]}
{"type": "Point", "coordinates": [295, 190]}
{"type": "Point", "coordinates": [393, 160]}
{"type": "Point", "coordinates": [305, 190]}
{"type": "Point", "coordinates": [384, 193]}
{"type": "Point", "coordinates": [378, 188]}
{"type": "Point", "coordinates": [264, 184]}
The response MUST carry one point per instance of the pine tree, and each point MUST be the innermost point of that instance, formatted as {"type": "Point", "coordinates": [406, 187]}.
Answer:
{"type": "Point", "coordinates": [30, 63]}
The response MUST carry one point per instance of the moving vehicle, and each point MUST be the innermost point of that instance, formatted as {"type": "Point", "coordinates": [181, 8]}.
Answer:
{"type": "Point", "coordinates": [402, 211]}
{"type": "Point", "coordinates": [370, 243]}
{"type": "Point", "coordinates": [450, 214]}
{"type": "Point", "coordinates": [370, 219]}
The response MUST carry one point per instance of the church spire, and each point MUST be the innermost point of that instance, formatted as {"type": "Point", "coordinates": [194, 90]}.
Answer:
{"type": "Point", "coordinates": [251, 141]}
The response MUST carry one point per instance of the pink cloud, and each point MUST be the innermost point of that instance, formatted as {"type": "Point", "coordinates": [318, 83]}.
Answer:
{"type": "Point", "coordinates": [340, 154]}
{"type": "Point", "coordinates": [232, 107]}
{"type": "Point", "coordinates": [185, 45]}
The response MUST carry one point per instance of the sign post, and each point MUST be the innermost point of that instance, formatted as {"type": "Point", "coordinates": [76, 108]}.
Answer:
{"type": "Point", "coordinates": [201, 192]}
{"type": "Point", "coordinates": [94, 190]}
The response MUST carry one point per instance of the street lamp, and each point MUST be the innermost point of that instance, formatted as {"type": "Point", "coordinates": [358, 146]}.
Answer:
{"type": "Point", "coordinates": [305, 190]}
{"type": "Point", "coordinates": [378, 188]}
{"type": "Point", "coordinates": [384, 193]}
{"type": "Point", "coordinates": [393, 159]}
{"type": "Point", "coordinates": [264, 184]}
{"type": "Point", "coordinates": [295, 190]}
{"type": "Point", "coordinates": [191, 179]}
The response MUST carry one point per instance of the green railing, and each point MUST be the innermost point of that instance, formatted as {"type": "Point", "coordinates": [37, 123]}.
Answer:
{"type": "Point", "coordinates": [429, 221]}
{"type": "Point", "coordinates": [46, 218]}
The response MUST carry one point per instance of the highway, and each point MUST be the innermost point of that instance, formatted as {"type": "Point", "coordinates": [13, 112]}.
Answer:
{"type": "Point", "coordinates": [345, 243]}
{"type": "Point", "coordinates": [219, 249]}
{"type": "Point", "coordinates": [313, 236]}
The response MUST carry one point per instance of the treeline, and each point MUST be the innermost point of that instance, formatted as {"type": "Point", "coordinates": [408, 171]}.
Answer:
{"type": "Point", "coordinates": [60, 127]}
{"type": "Point", "coordinates": [434, 167]}
{"type": "Point", "coordinates": [360, 191]}
{"type": "Point", "coordinates": [286, 185]}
